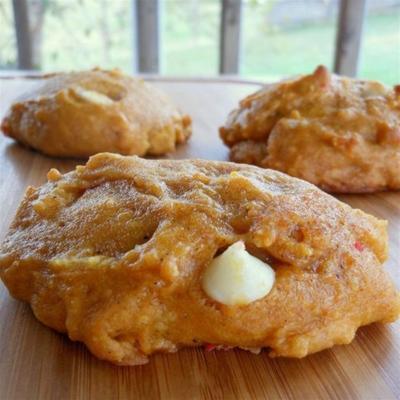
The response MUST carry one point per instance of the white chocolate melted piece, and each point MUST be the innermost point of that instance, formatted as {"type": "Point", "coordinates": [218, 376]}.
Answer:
{"type": "Point", "coordinates": [374, 89]}
{"type": "Point", "coordinates": [237, 278]}
{"type": "Point", "coordinates": [93, 96]}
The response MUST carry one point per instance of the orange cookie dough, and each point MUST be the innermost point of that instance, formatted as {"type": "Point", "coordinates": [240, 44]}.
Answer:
{"type": "Point", "coordinates": [115, 254]}
{"type": "Point", "coordinates": [78, 114]}
{"type": "Point", "coordinates": [341, 134]}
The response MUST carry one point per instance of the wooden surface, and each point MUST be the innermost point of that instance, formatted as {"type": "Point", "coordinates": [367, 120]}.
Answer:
{"type": "Point", "coordinates": [37, 363]}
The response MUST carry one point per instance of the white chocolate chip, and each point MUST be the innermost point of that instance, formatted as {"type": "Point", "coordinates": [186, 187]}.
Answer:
{"type": "Point", "coordinates": [374, 89]}
{"type": "Point", "coordinates": [237, 278]}
{"type": "Point", "coordinates": [93, 96]}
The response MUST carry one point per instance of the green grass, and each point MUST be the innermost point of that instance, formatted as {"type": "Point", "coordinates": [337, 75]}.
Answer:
{"type": "Point", "coordinates": [190, 38]}
{"type": "Point", "coordinates": [190, 44]}
{"type": "Point", "coordinates": [380, 58]}
{"type": "Point", "coordinates": [270, 53]}
{"type": "Point", "coordinates": [275, 52]}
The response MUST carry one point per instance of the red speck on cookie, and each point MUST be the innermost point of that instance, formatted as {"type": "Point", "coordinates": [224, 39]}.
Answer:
{"type": "Point", "coordinates": [358, 245]}
{"type": "Point", "coordinates": [209, 347]}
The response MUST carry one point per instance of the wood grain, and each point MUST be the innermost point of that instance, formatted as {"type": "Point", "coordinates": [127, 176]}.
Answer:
{"type": "Point", "coordinates": [37, 363]}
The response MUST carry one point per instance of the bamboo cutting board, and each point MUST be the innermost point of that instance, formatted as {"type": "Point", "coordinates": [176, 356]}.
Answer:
{"type": "Point", "coordinates": [38, 363]}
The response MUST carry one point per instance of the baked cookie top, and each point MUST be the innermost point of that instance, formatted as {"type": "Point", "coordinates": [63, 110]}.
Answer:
{"type": "Point", "coordinates": [339, 133]}
{"type": "Point", "coordinates": [122, 255]}
{"type": "Point", "coordinates": [79, 114]}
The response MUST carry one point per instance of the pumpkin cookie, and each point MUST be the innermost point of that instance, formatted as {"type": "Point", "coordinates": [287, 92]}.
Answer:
{"type": "Point", "coordinates": [134, 256]}
{"type": "Point", "coordinates": [82, 113]}
{"type": "Point", "coordinates": [341, 134]}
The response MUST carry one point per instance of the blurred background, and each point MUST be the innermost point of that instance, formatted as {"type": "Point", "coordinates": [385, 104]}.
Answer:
{"type": "Point", "coordinates": [278, 37]}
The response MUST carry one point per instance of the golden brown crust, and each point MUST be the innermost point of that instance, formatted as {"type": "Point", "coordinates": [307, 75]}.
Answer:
{"type": "Point", "coordinates": [79, 114]}
{"type": "Point", "coordinates": [341, 134]}
{"type": "Point", "coordinates": [113, 254]}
